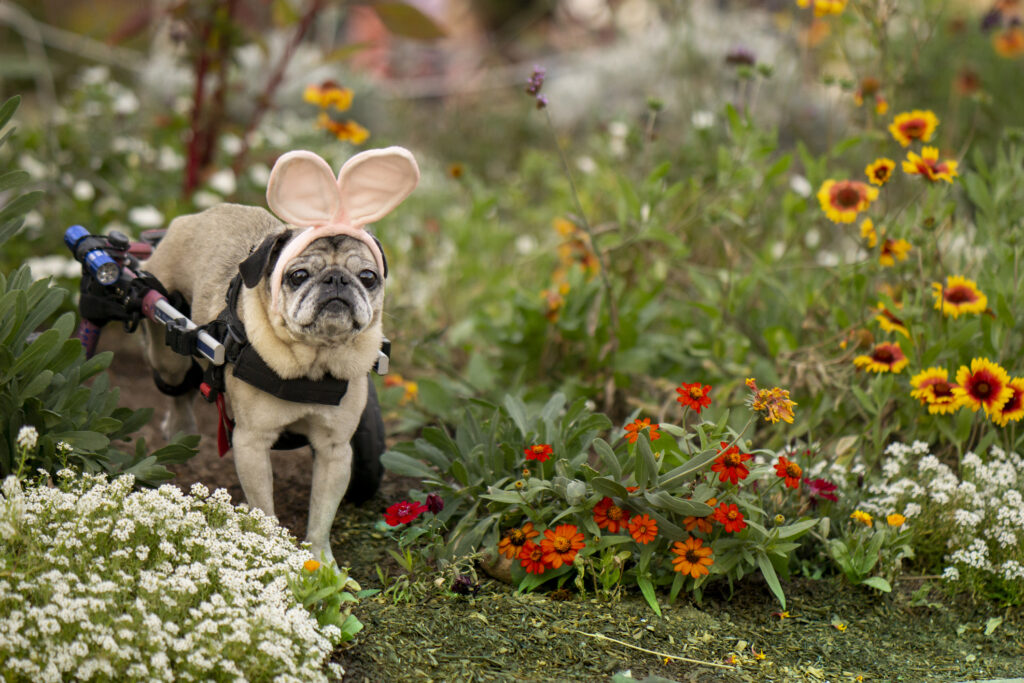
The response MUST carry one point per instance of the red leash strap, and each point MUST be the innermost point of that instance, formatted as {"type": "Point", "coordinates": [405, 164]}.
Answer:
{"type": "Point", "coordinates": [225, 426]}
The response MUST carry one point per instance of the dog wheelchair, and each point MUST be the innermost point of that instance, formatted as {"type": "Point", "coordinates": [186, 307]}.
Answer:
{"type": "Point", "coordinates": [114, 288]}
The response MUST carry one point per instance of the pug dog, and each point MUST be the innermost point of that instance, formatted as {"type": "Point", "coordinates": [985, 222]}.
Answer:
{"type": "Point", "coordinates": [310, 300]}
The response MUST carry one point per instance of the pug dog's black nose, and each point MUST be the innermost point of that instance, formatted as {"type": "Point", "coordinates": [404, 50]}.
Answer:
{"type": "Point", "coordinates": [337, 279]}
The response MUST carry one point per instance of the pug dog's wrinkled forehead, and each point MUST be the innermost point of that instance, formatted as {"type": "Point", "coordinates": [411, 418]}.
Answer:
{"type": "Point", "coordinates": [303, 191]}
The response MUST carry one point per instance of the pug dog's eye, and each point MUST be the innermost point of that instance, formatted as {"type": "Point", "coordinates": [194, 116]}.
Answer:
{"type": "Point", "coordinates": [297, 277]}
{"type": "Point", "coordinates": [368, 278]}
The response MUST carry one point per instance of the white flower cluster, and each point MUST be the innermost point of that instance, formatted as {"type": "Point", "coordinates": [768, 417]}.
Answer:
{"type": "Point", "coordinates": [98, 580]}
{"type": "Point", "coordinates": [982, 509]}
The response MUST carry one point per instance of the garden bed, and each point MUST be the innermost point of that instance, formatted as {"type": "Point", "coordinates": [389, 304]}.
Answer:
{"type": "Point", "coordinates": [833, 632]}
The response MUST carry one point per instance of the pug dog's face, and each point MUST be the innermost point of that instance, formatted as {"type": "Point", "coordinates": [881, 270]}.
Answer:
{"type": "Point", "coordinates": [332, 291]}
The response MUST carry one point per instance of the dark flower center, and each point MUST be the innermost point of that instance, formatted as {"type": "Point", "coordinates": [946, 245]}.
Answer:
{"type": "Point", "coordinates": [692, 557]}
{"type": "Point", "coordinates": [942, 388]}
{"type": "Point", "coordinates": [884, 355]}
{"type": "Point", "coordinates": [731, 515]}
{"type": "Point", "coordinates": [914, 128]}
{"type": "Point", "coordinates": [793, 470]}
{"type": "Point", "coordinates": [882, 172]}
{"type": "Point", "coordinates": [732, 459]}
{"type": "Point", "coordinates": [848, 197]}
{"type": "Point", "coordinates": [959, 295]}
{"type": "Point", "coordinates": [696, 393]}
{"type": "Point", "coordinates": [561, 544]}
{"type": "Point", "coordinates": [517, 537]}
{"type": "Point", "coordinates": [983, 389]}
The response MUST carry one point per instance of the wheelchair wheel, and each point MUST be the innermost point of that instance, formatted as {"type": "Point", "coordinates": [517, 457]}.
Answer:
{"type": "Point", "coordinates": [368, 444]}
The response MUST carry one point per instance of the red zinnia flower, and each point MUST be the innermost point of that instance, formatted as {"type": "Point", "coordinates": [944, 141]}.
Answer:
{"type": "Point", "coordinates": [693, 558]}
{"type": "Point", "coordinates": [700, 523]}
{"type": "Point", "coordinates": [531, 557]}
{"type": "Point", "coordinates": [541, 452]}
{"type": "Point", "coordinates": [730, 517]}
{"type": "Point", "coordinates": [403, 512]}
{"type": "Point", "coordinates": [633, 430]}
{"type": "Point", "coordinates": [790, 471]}
{"type": "Point", "coordinates": [643, 529]}
{"type": "Point", "coordinates": [610, 516]}
{"type": "Point", "coordinates": [515, 540]}
{"type": "Point", "coordinates": [694, 396]}
{"type": "Point", "coordinates": [729, 464]}
{"type": "Point", "coordinates": [561, 545]}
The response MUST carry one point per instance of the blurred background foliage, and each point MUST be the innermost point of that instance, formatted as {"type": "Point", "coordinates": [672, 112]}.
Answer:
{"type": "Point", "coordinates": [655, 223]}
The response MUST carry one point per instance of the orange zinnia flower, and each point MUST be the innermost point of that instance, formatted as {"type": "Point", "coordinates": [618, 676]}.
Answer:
{"type": "Point", "coordinates": [694, 396]}
{"type": "Point", "coordinates": [610, 516]}
{"type": "Point", "coordinates": [643, 529]}
{"type": "Point", "coordinates": [514, 539]}
{"type": "Point", "coordinates": [729, 515]}
{"type": "Point", "coordinates": [531, 557]}
{"type": "Point", "coordinates": [729, 464]}
{"type": "Point", "coordinates": [633, 430]}
{"type": "Point", "coordinates": [540, 452]}
{"type": "Point", "coordinates": [561, 545]}
{"type": "Point", "coordinates": [694, 559]}
{"type": "Point", "coordinates": [790, 471]}
{"type": "Point", "coordinates": [700, 523]}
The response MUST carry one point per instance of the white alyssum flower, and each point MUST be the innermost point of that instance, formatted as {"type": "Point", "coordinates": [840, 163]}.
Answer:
{"type": "Point", "coordinates": [210, 596]}
{"type": "Point", "coordinates": [27, 437]}
{"type": "Point", "coordinates": [146, 216]}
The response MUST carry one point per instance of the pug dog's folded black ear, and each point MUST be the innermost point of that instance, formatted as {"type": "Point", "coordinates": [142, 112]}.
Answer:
{"type": "Point", "coordinates": [382, 256]}
{"type": "Point", "coordinates": [262, 260]}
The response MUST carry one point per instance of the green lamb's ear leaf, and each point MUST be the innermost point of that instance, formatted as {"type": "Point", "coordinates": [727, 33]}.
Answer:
{"type": "Point", "coordinates": [608, 458]}
{"type": "Point", "coordinates": [679, 506]}
{"type": "Point", "coordinates": [8, 108]}
{"type": "Point", "coordinates": [609, 487]}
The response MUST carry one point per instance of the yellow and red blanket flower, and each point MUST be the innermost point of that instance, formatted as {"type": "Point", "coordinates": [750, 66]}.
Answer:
{"type": "Point", "coordinates": [868, 233]}
{"type": "Point", "coordinates": [914, 125]}
{"type": "Point", "coordinates": [893, 251]}
{"type": "Point", "coordinates": [862, 517]}
{"type": "Point", "coordinates": [693, 557]}
{"type": "Point", "coordinates": [933, 388]}
{"type": "Point", "coordinates": [643, 529]}
{"type": "Point", "coordinates": [694, 395]}
{"type": "Point", "coordinates": [531, 558]}
{"type": "Point", "coordinates": [790, 471]}
{"type": "Point", "coordinates": [880, 170]}
{"type": "Point", "coordinates": [343, 130]}
{"type": "Point", "coordinates": [823, 8]}
{"type": "Point", "coordinates": [561, 545]}
{"type": "Point", "coordinates": [610, 516]}
{"type": "Point", "coordinates": [983, 385]}
{"type": "Point", "coordinates": [633, 430]}
{"type": "Point", "coordinates": [1009, 43]}
{"type": "Point", "coordinates": [889, 322]}
{"type": "Point", "coordinates": [540, 452]}
{"type": "Point", "coordinates": [700, 523]}
{"type": "Point", "coordinates": [1013, 409]}
{"type": "Point", "coordinates": [513, 540]}
{"type": "Point", "coordinates": [885, 357]}
{"type": "Point", "coordinates": [842, 200]}
{"type": "Point", "coordinates": [929, 166]}
{"type": "Point", "coordinates": [328, 94]}
{"type": "Point", "coordinates": [774, 404]}
{"type": "Point", "coordinates": [959, 296]}
{"type": "Point", "coordinates": [729, 464]}
{"type": "Point", "coordinates": [729, 516]}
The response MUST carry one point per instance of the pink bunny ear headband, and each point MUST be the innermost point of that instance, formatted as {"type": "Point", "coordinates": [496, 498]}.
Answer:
{"type": "Point", "coordinates": [303, 191]}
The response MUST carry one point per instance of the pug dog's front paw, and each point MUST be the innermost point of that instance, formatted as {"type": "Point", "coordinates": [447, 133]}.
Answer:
{"type": "Point", "coordinates": [179, 418]}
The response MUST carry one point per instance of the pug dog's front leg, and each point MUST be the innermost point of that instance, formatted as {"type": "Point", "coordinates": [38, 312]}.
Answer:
{"type": "Point", "coordinates": [332, 470]}
{"type": "Point", "coordinates": [251, 450]}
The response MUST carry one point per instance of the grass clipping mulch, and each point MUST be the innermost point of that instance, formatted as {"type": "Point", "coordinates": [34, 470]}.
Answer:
{"type": "Point", "coordinates": [833, 632]}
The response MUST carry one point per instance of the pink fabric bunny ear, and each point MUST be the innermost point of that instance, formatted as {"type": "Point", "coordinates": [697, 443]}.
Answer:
{"type": "Point", "coordinates": [303, 191]}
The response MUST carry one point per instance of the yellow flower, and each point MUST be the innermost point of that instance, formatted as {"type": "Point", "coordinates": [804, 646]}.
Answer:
{"type": "Point", "coordinates": [884, 357]}
{"type": "Point", "coordinates": [311, 565]}
{"type": "Point", "coordinates": [823, 7]}
{"type": "Point", "coordinates": [842, 200]}
{"type": "Point", "coordinates": [929, 166]}
{"type": "Point", "coordinates": [960, 295]}
{"type": "Point", "coordinates": [343, 130]}
{"type": "Point", "coordinates": [893, 251]}
{"type": "Point", "coordinates": [1009, 43]}
{"type": "Point", "coordinates": [868, 233]}
{"type": "Point", "coordinates": [933, 388]}
{"type": "Point", "coordinates": [862, 517]}
{"type": "Point", "coordinates": [983, 385]}
{"type": "Point", "coordinates": [889, 322]}
{"type": "Point", "coordinates": [328, 94]}
{"type": "Point", "coordinates": [1013, 409]}
{"type": "Point", "coordinates": [896, 520]}
{"type": "Point", "coordinates": [412, 391]}
{"type": "Point", "coordinates": [914, 125]}
{"type": "Point", "coordinates": [773, 403]}
{"type": "Point", "coordinates": [840, 626]}
{"type": "Point", "coordinates": [880, 170]}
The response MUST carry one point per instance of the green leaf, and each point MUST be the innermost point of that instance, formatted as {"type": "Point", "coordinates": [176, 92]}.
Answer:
{"type": "Point", "coordinates": [764, 563]}
{"type": "Point", "coordinates": [878, 583]}
{"type": "Point", "coordinates": [20, 205]}
{"type": "Point", "coordinates": [517, 411]}
{"type": "Point", "coordinates": [679, 506]}
{"type": "Point", "coordinates": [402, 464]}
{"type": "Point", "coordinates": [36, 385]}
{"type": "Point", "coordinates": [407, 21]}
{"type": "Point", "coordinates": [86, 441]}
{"type": "Point", "coordinates": [647, 588]}
{"type": "Point", "coordinates": [12, 179]}
{"type": "Point", "coordinates": [8, 108]}
{"type": "Point", "coordinates": [608, 458]}
{"type": "Point", "coordinates": [646, 469]}
{"type": "Point", "coordinates": [676, 476]}
{"type": "Point", "coordinates": [608, 487]}
{"type": "Point", "coordinates": [796, 529]}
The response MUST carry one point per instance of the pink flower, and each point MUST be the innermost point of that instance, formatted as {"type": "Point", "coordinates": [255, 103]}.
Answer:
{"type": "Point", "coordinates": [821, 488]}
{"type": "Point", "coordinates": [403, 512]}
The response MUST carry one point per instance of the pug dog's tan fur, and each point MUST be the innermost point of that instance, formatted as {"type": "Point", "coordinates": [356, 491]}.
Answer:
{"type": "Point", "coordinates": [198, 257]}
